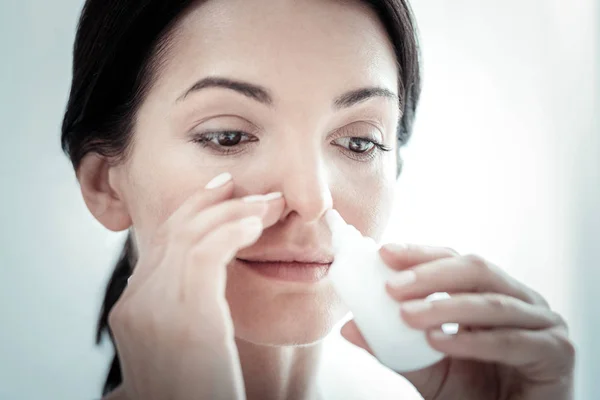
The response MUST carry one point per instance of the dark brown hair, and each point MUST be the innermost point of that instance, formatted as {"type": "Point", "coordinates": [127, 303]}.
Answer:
{"type": "Point", "coordinates": [118, 50]}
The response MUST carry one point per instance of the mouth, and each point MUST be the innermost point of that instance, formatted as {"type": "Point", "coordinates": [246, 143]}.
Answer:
{"type": "Point", "coordinates": [288, 271]}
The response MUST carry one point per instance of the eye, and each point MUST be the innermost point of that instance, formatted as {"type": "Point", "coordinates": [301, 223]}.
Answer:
{"type": "Point", "coordinates": [226, 138]}
{"type": "Point", "coordinates": [357, 144]}
{"type": "Point", "coordinates": [360, 148]}
{"type": "Point", "coordinates": [224, 142]}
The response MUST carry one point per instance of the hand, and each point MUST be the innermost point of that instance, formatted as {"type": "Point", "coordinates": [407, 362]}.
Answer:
{"type": "Point", "coordinates": [510, 345]}
{"type": "Point", "coordinates": [172, 326]}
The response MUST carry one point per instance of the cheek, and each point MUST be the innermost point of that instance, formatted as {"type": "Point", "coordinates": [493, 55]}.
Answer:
{"type": "Point", "coordinates": [369, 207]}
{"type": "Point", "coordinates": [158, 189]}
{"type": "Point", "coordinates": [154, 203]}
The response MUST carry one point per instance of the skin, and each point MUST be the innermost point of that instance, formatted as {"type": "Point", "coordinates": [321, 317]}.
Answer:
{"type": "Point", "coordinates": [510, 345]}
{"type": "Point", "coordinates": [306, 55]}
{"type": "Point", "coordinates": [330, 49]}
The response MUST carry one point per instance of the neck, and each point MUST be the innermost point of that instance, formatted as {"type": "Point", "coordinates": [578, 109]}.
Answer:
{"type": "Point", "coordinates": [280, 372]}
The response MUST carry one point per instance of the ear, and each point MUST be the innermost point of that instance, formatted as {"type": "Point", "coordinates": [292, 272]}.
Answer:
{"type": "Point", "coordinates": [101, 192]}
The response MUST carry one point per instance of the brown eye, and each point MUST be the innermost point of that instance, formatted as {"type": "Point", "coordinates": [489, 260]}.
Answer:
{"type": "Point", "coordinates": [225, 142]}
{"type": "Point", "coordinates": [229, 138]}
{"type": "Point", "coordinates": [359, 145]}
{"type": "Point", "coordinates": [356, 144]}
{"type": "Point", "coordinates": [360, 148]}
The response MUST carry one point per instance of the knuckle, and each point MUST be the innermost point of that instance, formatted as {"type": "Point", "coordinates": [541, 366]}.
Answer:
{"type": "Point", "coordinates": [498, 303]}
{"type": "Point", "coordinates": [509, 340]}
{"type": "Point", "coordinates": [538, 299]}
{"type": "Point", "coordinates": [559, 320]}
{"type": "Point", "coordinates": [483, 269]}
{"type": "Point", "coordinates": [567, 347]}
{"type": "Point", "coordinates": [477, 261]}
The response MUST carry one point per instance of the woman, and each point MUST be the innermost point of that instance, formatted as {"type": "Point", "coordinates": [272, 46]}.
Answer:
{"type": "Point", "coordinates": [183, 114]}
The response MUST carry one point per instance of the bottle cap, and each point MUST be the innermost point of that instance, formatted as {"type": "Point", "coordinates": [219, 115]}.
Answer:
{"type": "Point", "coordinates": [335, 221]}
{"type": "Point", "coordinates": [343, 235]}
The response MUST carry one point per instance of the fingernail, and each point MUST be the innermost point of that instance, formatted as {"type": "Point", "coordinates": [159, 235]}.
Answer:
{"type": "Point", "coordinates": [261, 197]}
{"type": "Point", "coordinates": [414, 307]}
{"type": "Point", "coordinates": [402, 279]}
{"type": "Point", "coordinates": [273, 196]}
{"type": "Point", "coordinates": [450, 328]}
{"type": "Point", "coordinates": [439, 335]}
{"type": "Point", "coordinates": [218, 181]}
{"type": "Point", "coordinates": [395, 247]}
{"type": "Point", "coordinates": [255, 198]}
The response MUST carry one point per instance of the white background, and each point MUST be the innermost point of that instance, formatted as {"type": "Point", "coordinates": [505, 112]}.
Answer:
{"type": "Point", "coordinates": [504, 162]}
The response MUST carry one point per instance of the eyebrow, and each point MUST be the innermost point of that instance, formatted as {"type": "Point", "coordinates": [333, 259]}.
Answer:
{"type": "Point", "coordinates": [250, 90]}
{"type": "Point", "coordinates": [263, 95]}
{"type": "Point", "coordinates": [357, 96]}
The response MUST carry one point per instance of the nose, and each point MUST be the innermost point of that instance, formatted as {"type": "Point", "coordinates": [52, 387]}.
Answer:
{"type": "Point", "coordinates": [305, 186]}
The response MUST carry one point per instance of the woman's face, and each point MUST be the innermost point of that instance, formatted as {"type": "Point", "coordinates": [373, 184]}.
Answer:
{"type": "Point", "coordinates": [305, 59]}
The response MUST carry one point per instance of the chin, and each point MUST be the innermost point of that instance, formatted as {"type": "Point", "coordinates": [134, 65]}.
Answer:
{"type": "Point", "coordinates": [289, 319]}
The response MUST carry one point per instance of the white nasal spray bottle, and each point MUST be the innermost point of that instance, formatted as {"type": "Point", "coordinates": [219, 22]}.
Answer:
{"type": "Point", "coordinates": [358, 274]}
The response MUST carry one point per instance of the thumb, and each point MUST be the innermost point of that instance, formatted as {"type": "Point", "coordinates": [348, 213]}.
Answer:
{"type": "Point", "coordinates": [351, 333]}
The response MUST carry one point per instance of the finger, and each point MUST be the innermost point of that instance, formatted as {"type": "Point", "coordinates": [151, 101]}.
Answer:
{"type": "Point", "coordinates": [173, 245]}
{"type": "Point", "coordinates": [267, 207]}
{"type": "Point", "coordinates": [457, 275]}
{"type": "Point", "coordinates": [275, 208]}
{"type": "Point", "coordinates": [515, 347]}
{"type": "Point", "coordinates": [479, 310]}
{"type": "Point", "coordinates": [402, 256]}
{"type": "Point", "coordinates": [351, 333]}
{"type": "Point", "coordinates": [217, 190]}
{"type": "Point", "coordinates": [205, 264]}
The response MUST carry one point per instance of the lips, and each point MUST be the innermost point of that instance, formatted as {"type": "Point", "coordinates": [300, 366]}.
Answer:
{"type": "Point", "coordinates": [284, 263]}
{"type": "Point", "coordinates": [307, 257]}
{"type": "Point", "coordinates": [284, 270]}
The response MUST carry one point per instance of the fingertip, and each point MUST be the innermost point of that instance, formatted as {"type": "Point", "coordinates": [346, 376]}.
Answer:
{"type": "Point", "coordinates": [275, 209]}
{"type": "Point", "coordinates": [394, 247]}
{"type": "Point", "coordinates": [395, 251]}
{"type": "Point", "coordinates": [276, 202]}
{"type": "Point", "coordinates": [219, 181]}
{"type": "Point", "coordinates": [396, 256]}
{"type": "Point", "coordinates": [401, 256]}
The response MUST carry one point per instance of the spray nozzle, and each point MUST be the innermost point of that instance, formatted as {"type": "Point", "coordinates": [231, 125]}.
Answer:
{"type": "Point", "coordinates": [342, 233]}
{"type": "Point", "coordinates": [335, 221]}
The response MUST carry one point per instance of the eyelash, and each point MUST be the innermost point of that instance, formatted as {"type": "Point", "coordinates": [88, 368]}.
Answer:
{"type": "Point", "coordinates": [366, 155]}
{"type": "Point", "coordinates": [206, 141]}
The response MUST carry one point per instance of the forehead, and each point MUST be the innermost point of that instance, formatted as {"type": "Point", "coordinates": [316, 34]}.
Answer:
{"type": "Point", "coordinates": [312, 46]}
